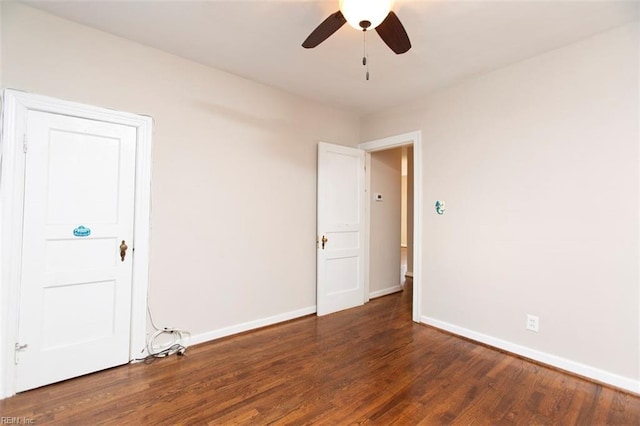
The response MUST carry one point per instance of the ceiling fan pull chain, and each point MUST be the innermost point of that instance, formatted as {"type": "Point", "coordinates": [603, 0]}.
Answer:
{"type": "Point", "coordinates": [364, 48]}
{"type": "Point", "coordinates": [365, 55]}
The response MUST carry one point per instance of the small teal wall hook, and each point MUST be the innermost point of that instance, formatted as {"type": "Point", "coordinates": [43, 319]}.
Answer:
{"type": "Point", "coordinates": [440, 207]}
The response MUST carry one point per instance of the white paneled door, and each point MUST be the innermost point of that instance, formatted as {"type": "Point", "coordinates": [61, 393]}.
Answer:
{"type": "Point", "coordinates": [76, 276]}
{"type": "Point", "coordinates": [341, 228]}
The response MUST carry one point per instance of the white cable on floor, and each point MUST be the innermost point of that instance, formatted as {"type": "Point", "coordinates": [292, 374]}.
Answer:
{"type": "Point", "coordinates": [178, 345]}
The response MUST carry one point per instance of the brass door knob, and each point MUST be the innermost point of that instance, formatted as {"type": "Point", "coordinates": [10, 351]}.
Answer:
{"type": "Point", "coordinates": [324, 241]}
{"type": "Point", "coordinates": [123, 250]}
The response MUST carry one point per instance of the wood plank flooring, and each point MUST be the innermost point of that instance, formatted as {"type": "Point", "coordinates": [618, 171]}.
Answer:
{"type": "Point", "coordinates": [369, 365]}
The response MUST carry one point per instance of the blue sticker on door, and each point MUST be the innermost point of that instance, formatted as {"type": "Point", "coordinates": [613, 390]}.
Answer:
{"type": "Point", "coordinates": [81, 231]}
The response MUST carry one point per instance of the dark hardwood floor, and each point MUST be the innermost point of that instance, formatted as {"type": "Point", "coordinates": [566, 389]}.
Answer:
{"type": "Point", "coordinates": [365, 365]}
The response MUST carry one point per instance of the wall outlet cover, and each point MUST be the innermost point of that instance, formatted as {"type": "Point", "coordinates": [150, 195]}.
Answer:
{"type": "Point", "coordinates": [533, 323]}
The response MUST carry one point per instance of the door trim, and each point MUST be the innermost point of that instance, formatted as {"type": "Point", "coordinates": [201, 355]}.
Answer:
{"type": "Point", "coordinates": [15, 106]}
{"type": "Point", "coordinates": [415, 139]}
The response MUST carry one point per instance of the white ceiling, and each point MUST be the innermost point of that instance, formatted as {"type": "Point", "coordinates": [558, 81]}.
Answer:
{"type": "Point", "coordinates": [261, 40]}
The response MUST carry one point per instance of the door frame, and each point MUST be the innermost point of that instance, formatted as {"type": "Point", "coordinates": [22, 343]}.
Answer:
{"type": "Point", "coordinates": [406, 139]}
{"type": "Point", "coordinates": [15, 106]}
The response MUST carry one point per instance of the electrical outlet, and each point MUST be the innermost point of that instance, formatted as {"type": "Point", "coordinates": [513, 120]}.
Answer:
{"type": "Point", "coordinates": [533, 323]}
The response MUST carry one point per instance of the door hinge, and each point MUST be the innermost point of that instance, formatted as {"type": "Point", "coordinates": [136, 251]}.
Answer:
{"type": "Point", "coordinates": [24, 144]}
{"type": "Point", "coordinates": [19, 348]}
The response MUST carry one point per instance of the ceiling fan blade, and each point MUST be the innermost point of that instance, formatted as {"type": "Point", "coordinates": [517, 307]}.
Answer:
{"type": "Point", "coordinates": [393, 34]}
{"type": "Point", "coordinates": [324, 30]}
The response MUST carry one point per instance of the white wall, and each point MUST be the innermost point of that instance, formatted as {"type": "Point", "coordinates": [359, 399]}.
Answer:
{"type": "Point", "coordinates": [384, 251]}
{"type": "Point", "coordinates": [234, 169]}
{"type": "Point", "coordinates": [538, 166]}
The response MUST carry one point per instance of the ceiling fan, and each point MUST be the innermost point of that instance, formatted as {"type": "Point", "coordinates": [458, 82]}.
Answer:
{"type": "Point", "coordinates": [364, 15]}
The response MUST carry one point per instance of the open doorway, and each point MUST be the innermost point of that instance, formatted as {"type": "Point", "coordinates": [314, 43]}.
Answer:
{"type": "Point", "coordinates": [390, 220]}
{"type": "Point", "coordinates": [384, 251]}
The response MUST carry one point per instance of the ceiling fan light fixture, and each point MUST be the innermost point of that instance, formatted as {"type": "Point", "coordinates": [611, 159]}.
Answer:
{"type": "Point", "coordinates": [365, 14]}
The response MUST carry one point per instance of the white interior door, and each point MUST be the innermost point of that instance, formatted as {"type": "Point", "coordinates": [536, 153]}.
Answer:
{"type": "Point", "coordinates": [341, 232]}
{"type": "Point", "coordinates": [75, 292]}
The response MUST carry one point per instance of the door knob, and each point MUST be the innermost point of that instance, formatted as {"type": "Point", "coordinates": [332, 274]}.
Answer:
{"type": "Point", "coordinates": [123, 250]}
{"type": "Point", "coordinates": [324, 241]}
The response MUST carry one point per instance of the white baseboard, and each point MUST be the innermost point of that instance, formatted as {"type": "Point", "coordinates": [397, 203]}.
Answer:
{"type": "Point", "coordinates": [384, 292]}
{"type": "Point", "coordinates": [251, 325]}
{"type": "Point", "coordinates": [584, 370]}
